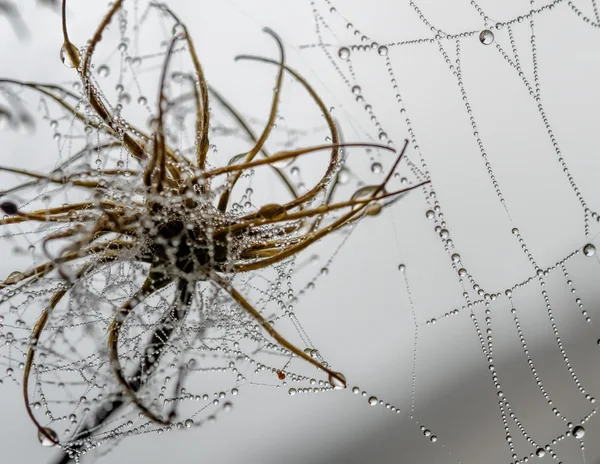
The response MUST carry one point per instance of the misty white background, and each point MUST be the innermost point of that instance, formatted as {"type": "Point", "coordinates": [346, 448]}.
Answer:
{"type": "Point", "coordinates": [359, 314]}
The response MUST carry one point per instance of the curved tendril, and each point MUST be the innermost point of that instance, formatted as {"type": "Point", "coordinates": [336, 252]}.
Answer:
{"type": "Point", "coordinates": [284, 155]}
{"type": "Point", "coordinates": [313, 237]}
{"type": "Point", "coordinates": [202, 108]}
{"type": "Point", "coordinates": [152, 284]}
{"type": "Point", "coordinates": [224, 199]}
{"type": "Point", "coordinates": [159, 136]}
{"type": "Point", "coordinates": [332, 129]}
{"type": "Point", "coordinates": [84, 68]}
{"type": "Point", "coordinates": [323, 209]}
{"type": "Point", "coordinates": [269, 328]}
{"type": "Point", "coordinates": [35, 336]}
{"type": "Point", "coordinates": [244, 125]}
{"type": "Point", "coordinates": [45, 90]}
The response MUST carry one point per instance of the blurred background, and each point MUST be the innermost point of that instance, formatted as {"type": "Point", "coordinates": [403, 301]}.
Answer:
{"type": "Point", "coordinates": [507, 134]}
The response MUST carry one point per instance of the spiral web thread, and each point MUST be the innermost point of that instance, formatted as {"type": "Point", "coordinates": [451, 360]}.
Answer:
{"type": "Point", "coordinates": [514, 47]}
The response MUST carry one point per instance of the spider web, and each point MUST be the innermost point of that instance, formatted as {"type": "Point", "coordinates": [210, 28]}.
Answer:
{"type": "Point", "coordinates": [490, 269]}
{"type": "Point", "coordinates": [486, 97]}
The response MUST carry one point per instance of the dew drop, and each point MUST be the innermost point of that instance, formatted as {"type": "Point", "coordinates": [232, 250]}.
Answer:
{"type": "Point", "coordinates": [178, 28]}
{"type": "Point", "coordinates": [382, 50]}
{"type": "Point", "coordinates": [578, 432]}
{"type": "Point", "coordinates": [237, 158]}
{"type": "Point", "coordinates": [9, 208]}
{"type": "Point", "coordinates": [540, 452]}
{"type": "Point", "coordinates": [47, 437]}
{"type": "Point", "coordinates": [103, 71]}
{"type": "Point", "coordinates": [376, 168]}
{"type": "Point", "coordinates": [14, 277]}
{"type": "Point", "coordinates": [429, 214]}
{"type": "Point", "coordinates": [373, 400]}
{"type": "Point", "coordinates": [589, 250]}
{"type": "Point", "coordinates": [344, 53]}
{"type": "Point", "coordinates": [373, 209]}
{"type": "Point", "coordinates": [456, 258]}
{"type": "Point", "coordinates": [486, 37]}
{"type": "Point", "coordinates": [66, 58]}
{"type": "Point", "coordinates": [401, 267]}
{"type": "Point", "coordinates": [189, 423]}
{"type": "Point", "coordinates": [337, 380]}
{"type": "Point", "coordinates": [343, 176]}
{"type": "Point", "coordinates": [292, 391]}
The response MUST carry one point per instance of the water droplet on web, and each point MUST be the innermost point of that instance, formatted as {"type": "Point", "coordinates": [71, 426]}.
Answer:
{"type": "Point", "coordinates": [376, 168]}
{"type": "Point", "coordinates": [401, 267]}
{"type": "Point", "coordinates": [189, 423]}
{"type": "Point", "coordinates": [578, 432]}
{"type": "Point", "coordinates": [292, 391]}
{"type": "Point", "coordinates": [373, 400]}
{"type": "Point", "coordinates": [382, 50]}
{"type": "Point", "coordinates": [589, 250]}
{"type": "Point", "coordinates": [430, 214]}
{"type": "Point", "coordinates": [540, 452]}
{"type": "Point", "coordinates": [486, 37]}
{"type": "Point", "coordinates": [338, 380]}
{"type": "Point", "coordinates": [103, 71]}
{"type": "Point", "coordinates": [343, 176]}
{"type": "Point", "coordinates": [344, 53]}
{"type": "Point", "coordinates": [356, 90]}
{"type": "Point", "coordinates": [455, 258]}
{"type": "Point", "coordinates": [47, 437]}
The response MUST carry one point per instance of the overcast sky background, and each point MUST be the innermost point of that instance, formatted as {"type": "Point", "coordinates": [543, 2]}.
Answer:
{"type": "Point", "coordinates": [359, 314]}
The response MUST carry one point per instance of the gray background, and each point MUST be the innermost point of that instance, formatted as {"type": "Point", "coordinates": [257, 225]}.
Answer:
{"type": "Point", "coordinates": [359, 314]}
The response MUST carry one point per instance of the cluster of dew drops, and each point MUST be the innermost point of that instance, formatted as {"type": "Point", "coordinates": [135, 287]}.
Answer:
{"type": "Point", "coordinates": [486, 37]}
